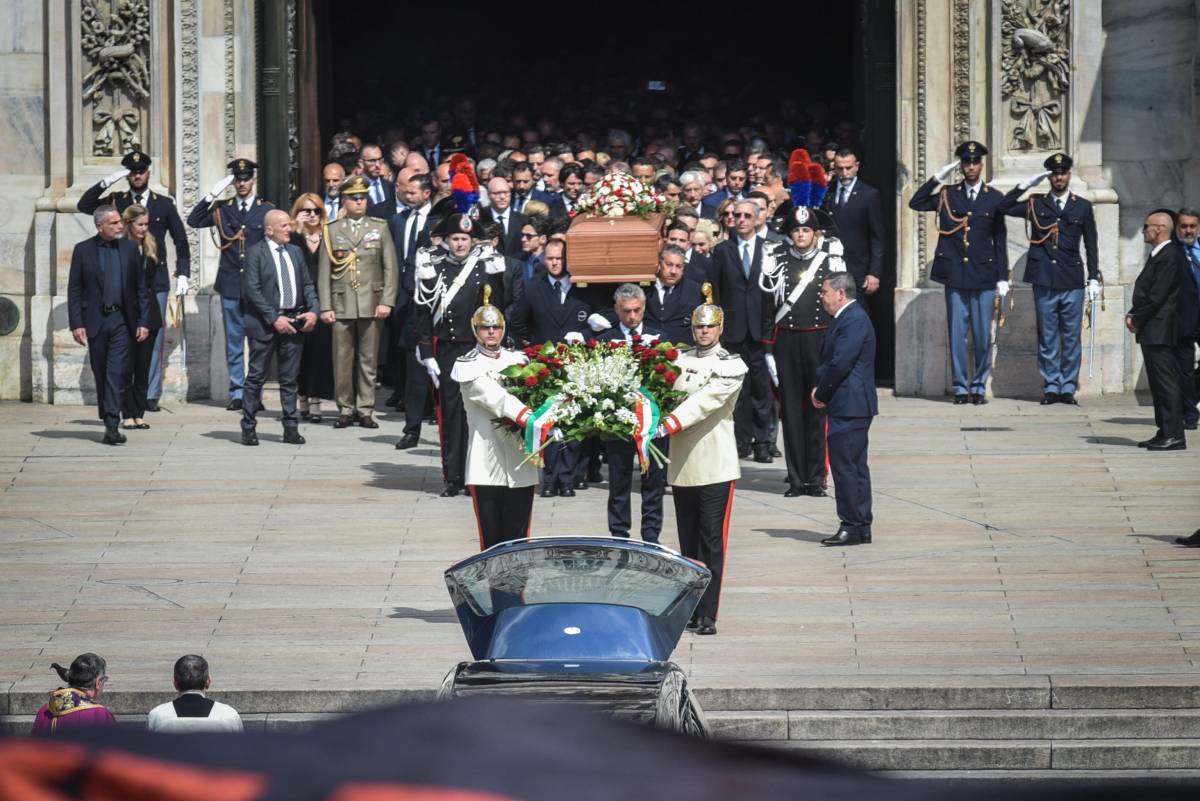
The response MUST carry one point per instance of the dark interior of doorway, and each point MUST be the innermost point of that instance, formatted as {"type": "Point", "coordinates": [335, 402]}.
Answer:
{"type": "Point", "coordinates": [383, 65]}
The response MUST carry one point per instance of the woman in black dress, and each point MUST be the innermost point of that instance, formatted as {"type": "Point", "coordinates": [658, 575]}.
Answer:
{"type": "Point", "coordinates": [316, 361]}
{"type": "Point", "coordinates": [137, 368]}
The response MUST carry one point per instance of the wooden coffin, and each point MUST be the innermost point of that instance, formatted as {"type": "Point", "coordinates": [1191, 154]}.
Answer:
{"type": "Point", "coordinates": [613, 249]}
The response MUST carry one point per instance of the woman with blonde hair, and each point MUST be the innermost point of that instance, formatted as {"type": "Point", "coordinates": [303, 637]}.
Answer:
{"type": "Point", "coordinates": [137, 367]}
{"type": "Point", "coordinates": [724, 219]}
{"type": "Point", "coordinates": [316, 360]}
{"type": "Point", "coordinates": [704, 237]}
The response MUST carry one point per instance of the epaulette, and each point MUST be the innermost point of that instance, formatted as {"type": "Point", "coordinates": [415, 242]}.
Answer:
{"type": "Point", "coordinates": [724, 354]}
{"type": "Point", "coordinates": [770, 262]}
{"type": "Point", "coordinates": [836, 264]}
{"type": "Point", "coordinates": [469, 356]}
{"type": "Point", "coordinates": [835, 246]}
{"type": "Point", "coordinates": [493, 264]}
{"type": "Point", "coordinates": [425, 264]}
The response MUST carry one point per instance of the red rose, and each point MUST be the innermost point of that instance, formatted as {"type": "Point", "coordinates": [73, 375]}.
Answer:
{"type": "Point", "coordinates": [672, 354]}
{"type": "Point", "coordinates": [636, 337]}
{"type": "Point", "coordinates": [592, 343]}
{"type": "Point", "coordinates": [648, 356]}
{"type": "Point", "coordinates": [660, 368]}
{"type": "Point", "coordinates": [614, 344]}
{"type": "Point", "coordinates": [543, 373]}
{"type": "Point", "coordinates": [531, 352]}
{"type": "Point", "coordinates": [670, 377]}
{"type": "Point", "coordinates": [531, 381]}
{"type": "Point", "coordinates": [561, 347]}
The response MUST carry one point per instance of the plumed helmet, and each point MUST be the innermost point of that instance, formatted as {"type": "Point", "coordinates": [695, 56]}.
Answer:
{"type": "Point", "coordinates": [487, 314]}
{"type": "Point", "coordinates": [708, 313]}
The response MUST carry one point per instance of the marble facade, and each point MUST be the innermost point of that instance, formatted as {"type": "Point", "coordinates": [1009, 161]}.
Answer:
{"type": "Point", "coordinates": [1124, 105]}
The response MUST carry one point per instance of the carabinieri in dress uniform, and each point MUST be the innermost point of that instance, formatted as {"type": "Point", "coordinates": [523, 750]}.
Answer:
{"type": "Point", "coordinates": [238, 225]}
{"type": "Point", "coordinates": [704, 465]}
{"type": "Point", "coordinates": [501, 483]}
{"type": "Point", "coordinates": [971, 261]}
{"type": "Point", "coordinates": [449, 287]}
{"type": "Point", "coordinates": [794, 324]}
{"type": "Point", "coordinates": [1058, 224]}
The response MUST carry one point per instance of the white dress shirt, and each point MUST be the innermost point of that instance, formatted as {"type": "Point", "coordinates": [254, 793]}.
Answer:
{"type": "Point", "coordinates": [283, 263]}
{"type": "Point", "coordinates": [222, 718]}
{"type": "Point", "coordinates": [417, 218]}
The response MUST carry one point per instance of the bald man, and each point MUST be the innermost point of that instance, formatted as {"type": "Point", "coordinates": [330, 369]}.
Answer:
{"type": "Point", "coordinates": [279, 301]}
{"type": "Point", "coordinates": [1152, 320]}
{"type": "Point", "coordinates": [332, 176]}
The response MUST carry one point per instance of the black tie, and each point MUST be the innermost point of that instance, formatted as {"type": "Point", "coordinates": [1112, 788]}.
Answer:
{"type": "Point", "coordinates": [411, 245]}
{"type": "Point", "coordinates": [137, 200]}
{"type": "Point", "coordinates": [558, 291]}
{"type": "Point", "coordinates": [287, 291]}
{"type": "Point", "coordinates": [242, 207]}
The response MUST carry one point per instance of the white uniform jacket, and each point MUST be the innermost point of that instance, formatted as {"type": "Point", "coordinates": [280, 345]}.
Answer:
{"type": "Point", "coordinates": [703, 449]}
{"type": "Point", "coordinates": [492, 453]}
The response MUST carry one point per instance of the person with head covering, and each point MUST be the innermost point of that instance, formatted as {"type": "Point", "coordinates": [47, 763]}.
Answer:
{"type": "Point", "coordinates": [1061, 228]}
{"type": "Point", "coordinates": [238, 224]}
{"type": "Point", "coordinates": [704, 466]}
{"type": "Point", "coordinates": [74, 705]}
{"type": "Point", "coordinates": [794, 322]}
{"type": "Point", "coordinates": [971, 261]}
{"type": "Point", "coordinates": [497, 476]}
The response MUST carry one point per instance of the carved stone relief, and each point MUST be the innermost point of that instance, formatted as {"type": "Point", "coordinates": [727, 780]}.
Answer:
{"type": "Point", "coordinates": [115, 41]}
{"type": "Point", "coordinates": [1035, 65]}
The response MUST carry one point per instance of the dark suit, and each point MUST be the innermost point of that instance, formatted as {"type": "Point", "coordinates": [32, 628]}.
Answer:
{"type": "Point", "coordinates": [708, 206]}
{"type": "Point", "coordinates": [261, 304]}
{"type": "Point", "coordinates": [110, 333]}
{"type": "Point", "coordinates": [1155, 319]}
{"type": "Point", "coordinates": [623, 462]}
{"type": "Point", "coordinates": [859, 222]}
{"type": "Point", "coordinates": [742, 301]}
{"type": "Point", "coordinates": [674, 318]}
{"type": "Point", "coordinates": [510, 241]}
{"type": "Point", "coordinates": [384, 209]}
{"type": "Point", "coordinates": [846, 385]}
{"type": "Point", "coordinates": [699, 269]}
{"type": "Point", "coordinates": [403, 368]}
{"type": "Point", "coordinates": [1187, 323]}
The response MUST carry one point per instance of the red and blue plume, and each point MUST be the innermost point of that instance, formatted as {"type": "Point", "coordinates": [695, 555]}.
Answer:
{"type": "Point", "coordinates": [820, 184]}
{"type": "Point", "coordinates": [799, 177]}
{"type": "Point", "coordinates": [464, 186]}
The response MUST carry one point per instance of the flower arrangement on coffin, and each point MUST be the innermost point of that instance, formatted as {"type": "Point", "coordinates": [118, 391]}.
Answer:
{"type": "Point", "coordinates": [596, 390]}
{"type": "Point", "coordinates": [619, 194]}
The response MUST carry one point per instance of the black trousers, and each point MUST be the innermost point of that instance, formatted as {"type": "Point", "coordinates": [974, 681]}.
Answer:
{"type": "Point", "coordinates": [797, 354]}
{"type": "Point", "coordinates": [848, 444]}
{"type": "Point", "coordinates": [137, 376]}
{"type": "Point", "coordinates": [503, 513]}
{"type": "Point", "coordinates": [452, 416]}
{"type": "Point", "coordinates": [1185, 357]}
{"type": "Point", "coordinates": [622, 464]}
{"type": "Point", "coordinates": [562, 463]}
{"type": "Point", "coordinates": [1162, 371]}
{"type": "Point", "coordinates": [108, 352]}
{"type": "Point", "coordinates": [702, 518]}
{"type": "Point", "coordinates": [752, 415]}
{"type": "Point", "coordinates": [416, 392]}
{"type": "Point", "coordinates": [287, 349]}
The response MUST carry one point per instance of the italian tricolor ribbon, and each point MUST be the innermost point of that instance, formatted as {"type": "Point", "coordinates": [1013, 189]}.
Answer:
{"type": "Point", "coordinates": [538, 427]}
{"type": "Point", "coordinates": [645, 407]}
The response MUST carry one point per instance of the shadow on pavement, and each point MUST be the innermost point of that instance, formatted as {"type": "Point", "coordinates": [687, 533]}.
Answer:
{"type": "Point", "coordinates": [391, 476]}
{"type": "Point", "coordinates": [236, 436]}
{"type": "Point", "coordinates": [798, 534]}
{"type": "Point", "coordinates": [1123, 441]}
{"type": "Point", "coordinates": [424, 615]}
{"type": "Point", "coordinates": [1130, 421]}
{"type": "Point", "coordinates": [90, 436]}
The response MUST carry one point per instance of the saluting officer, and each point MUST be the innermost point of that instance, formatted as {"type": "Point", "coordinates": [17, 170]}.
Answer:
{"type": "Point", "coordinates": [794, 325]}
{"type": "Point", "coordinates": [1058, 224]}
{"type": "Point", "coordinates": [971, 261]}
{"type": "Point", "coordinates": [499, 479]}
{"type": "Point", "coordinates": [449, 287]}
{"type": "Point", "coordinates": [164, 219]}
{"type": "Point", "coordinates": [238, 224]}
{"type": "Point", "coordinates": [357, 278]}
{"type": "Point", "coordinates": [704, 465]}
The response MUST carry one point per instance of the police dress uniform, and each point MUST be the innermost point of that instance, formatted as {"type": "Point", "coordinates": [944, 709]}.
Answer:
{"type": "Point", "coordinates": [704, 466]}
{"type": "Point", "coordinates": [971, 258]}
{"type": "Point", "coordinates": [164, 220]}
{"type": "Point", "coordinates": [500, 485]}
{"type": "Point", "coordinates": [357, 273]}
{"type": "Point", "coordinates": [1058, 229]}
{"type": "Point", "coordinates": [447, 293]}
{"type": "Point", "coordinates": [238, 225]}
{"type": "Point", "coordinates": [794, 327]}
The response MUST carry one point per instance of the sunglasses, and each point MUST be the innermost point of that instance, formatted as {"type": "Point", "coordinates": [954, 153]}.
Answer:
{"type": "Point", "coordinates": [741, 215]}
{"type": "Point", "coordinates": [308, 211]}
{"type": "Point", "coordinates": [528, 236]}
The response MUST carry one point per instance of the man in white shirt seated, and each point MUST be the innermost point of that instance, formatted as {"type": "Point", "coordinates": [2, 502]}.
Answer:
{"type": "Point", "coordinates": [191, 711]}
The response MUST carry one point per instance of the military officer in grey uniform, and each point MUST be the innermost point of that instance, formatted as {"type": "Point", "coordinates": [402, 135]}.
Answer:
{"type": "Point", "coordinates": [238, 224]}
{"type": "Point", "coordinates": [971, 261]}
{"type": "Point", "coordinates": [357, 277]}
{"type": "Point", "coordinates": [449, 286]}
{"type": "Point", "coordinates": [794, 322]}
{"type": "Point", "coordinates": [1059, 225]}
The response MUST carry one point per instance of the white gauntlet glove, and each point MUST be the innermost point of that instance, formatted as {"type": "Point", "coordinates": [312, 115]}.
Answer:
{"type": "Point", "coordinates": [556, 434]}
{"type": "Point", "coordinates": [1093, 290]}
{"type": "Point", "coordinates": [109, 180]}
{"type": "Point", "coordinates": [945, 172]}
{"type": "Point", "coordinates": [573, 338]}
{"type": "Point", "coordinates": [181, 285]}
{"type": "Point", "coordinates": [598, 322]}
{"type": "Point", "coordinates": [1030, 183]}
{"type": "Point", "coordinates": [770, 357]}
{"type": "Point", "coordinates": [431, 367]}
{"type": "Point", "coordinates": [219, 187]}
{"type": "Point", "coordinates": [661, 432]}
{"type": "Point", "coordinates": [1002, 288]}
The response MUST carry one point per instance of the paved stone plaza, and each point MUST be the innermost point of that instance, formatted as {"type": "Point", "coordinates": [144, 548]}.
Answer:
{"type": "Point", "coordinates": [1010, 540]}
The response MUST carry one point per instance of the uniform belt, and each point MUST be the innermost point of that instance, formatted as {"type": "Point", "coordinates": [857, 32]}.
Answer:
{"type": "Point", "coordinates": [802, 329]}
{"type": "Point", "coordinates": [110, 309]}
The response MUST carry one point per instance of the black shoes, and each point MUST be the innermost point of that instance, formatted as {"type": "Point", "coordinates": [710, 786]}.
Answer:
{"type": "Point", "coordinates": [343, 421]}
{"type": "Point", "coordinates": [1191, 542]}
{"type": "Point", "coordinates": [817, 491]}
{"type": "Point", "coordinates": [960, 400]}
{"type": "Point", "coordinates": [367, 421]}
{"type": "Point", "coordinates": [1146, 443]}
{"type": "Point", "coordinates": [566, 492]}
{"type": "Point", "coordinates": [844, 537]}
{"type": "Point", "coordinates": [1168, 444]}
{"type": "Point", "coordinates": [406, 442]}
{"type": "Point", "coordinates": [152, 406]}
{"type": "Point", "coordinates": [113, 437]}
{"type": "Point", "coordinates": [292, 437]}
{"type": "Point", "coordinates": [1049, 398]}
{"type": "Point", "coordinates": [234, 405]}
{"type": "Point", "coordinates": [1068, 398]}
{"type": "Point", "coordinates": [743, 451]}
{"type": "Point", "coordinates": [706, 625]}
{"type": "Point", "coordinates": [692, 624]}
{"type": "Point", "coordinates": [762, 453]}
{"type": "Point", "coordinates": [978, 398]}
{"type": "Point", "coordinates": [778, 454]}
{"type": "Point", "coordinates": [452, 489]}
{"type": "Point", "coordinates": [580, 485]}
{"type": "Point", "coordinates": [395, 401]}
{"type": "Point", "coordinates": [249, 438]}
{"type": "Point", "coordinates": [795, 492]}
{"type": "Point", "coordinates": [594, 476]}
{"type": "Point", "coordinates": [549, 491]}
{"type": "Point", "coordinates": [1190, 426]}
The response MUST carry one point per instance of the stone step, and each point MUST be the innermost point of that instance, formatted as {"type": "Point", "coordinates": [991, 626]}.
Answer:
{"type": "Point", "coordinates": [1025, 755]}
{"type": "Point", "coordinates": [1017, 724]}
{"type": "Point", "coordinates": [1045, 778]}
